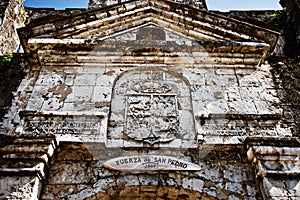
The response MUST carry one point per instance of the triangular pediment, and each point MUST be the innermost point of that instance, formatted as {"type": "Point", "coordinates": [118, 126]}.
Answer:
{"type": "Point", "coordinates": [152, 32]}
{"type": "Point", "coordinates": [125, 18]}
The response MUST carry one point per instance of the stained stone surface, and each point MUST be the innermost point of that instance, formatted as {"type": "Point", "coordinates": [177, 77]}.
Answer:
{"type": "Point", "coordinates": [16, 187]}
{"type": "Point", "coordinates": [155, 106]}
{"type": "Point", "coordinates": [12, 17]}
{"type": "Point", "coordinates": [140, 78]}
{"type": "Point", "coordinates": [221, 176]}
{"type": "Point", "coordinates": [161, 103]}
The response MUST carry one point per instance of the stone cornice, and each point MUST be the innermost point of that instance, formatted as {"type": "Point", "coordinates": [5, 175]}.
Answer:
{"type": "Point", "coordinates": [86, 20]}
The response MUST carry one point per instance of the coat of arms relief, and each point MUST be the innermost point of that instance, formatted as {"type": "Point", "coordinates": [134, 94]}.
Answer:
{"type": "Point", "coordinates": [152, 112]}
{"type": "Point", "coordinates": [152, 106]}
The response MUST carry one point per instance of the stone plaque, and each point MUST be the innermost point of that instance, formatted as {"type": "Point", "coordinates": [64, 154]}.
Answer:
{"type": "Point", "coordinates": [150, 162]}
{"type": "Point", "coordinates": [85, 127]}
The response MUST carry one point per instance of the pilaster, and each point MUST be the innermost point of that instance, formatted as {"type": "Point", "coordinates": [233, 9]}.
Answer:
{"type": "Point", "coordinates": [24, 162]}
{"type": "Point", "coordinates": [277, 166]}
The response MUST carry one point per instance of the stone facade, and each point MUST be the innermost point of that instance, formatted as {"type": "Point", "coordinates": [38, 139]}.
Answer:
{"type": "Point", "coordinates": [156, 83]}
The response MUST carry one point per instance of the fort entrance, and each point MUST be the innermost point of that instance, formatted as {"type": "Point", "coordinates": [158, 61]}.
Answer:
{"type": "Point", "coordinates": [147, 100]}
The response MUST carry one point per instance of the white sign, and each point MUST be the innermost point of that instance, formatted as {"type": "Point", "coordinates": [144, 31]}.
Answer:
{"type": "Point", "coordinates": [150, 162]}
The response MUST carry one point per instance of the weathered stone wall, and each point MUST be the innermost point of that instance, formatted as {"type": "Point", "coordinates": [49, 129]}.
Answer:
{"type": "Point", "coordinates": [221, 88]}
{"type": "Point", "coordinates": [19, 187]}
{"type": "Point", "coordinates": [286, 65]}
{"type": "Point", "coordinates": [77, 172]}
{"type": "Point", "coordinates": [285, 69]}
{"type": "Point", "coordinates": [277, 166]}
{"type": "Point", "coordinates": [270, 19]}
{"type": "Point", "coordinates": [3, 6]}
{"type": "Point", "coordinates": [262, 18]}
{"type": "Point", "coordinates": [286, 77]}
{"type": "Point", "coordinates": [36, 15]}
{"type": "Point", "coordinates": [99, 80]}
{"type": "Point", "coordinates": [12, 17]}
{"type": "Point", "coordinates": [11, 73]}
{"type": "Point", "coordinates": [24, 160]}
{"type": "Point", "coordinates": [76, 102]}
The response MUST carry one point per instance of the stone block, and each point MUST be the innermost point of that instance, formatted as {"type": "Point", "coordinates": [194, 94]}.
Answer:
{"type": "Point", "coordinates": [102, 94]}
{"type": "Point", "coordinates": [116, 132]}
{"type": "Point", "coordinates": [114, 143]}
{"type": "Point", "coordinates": [52, 104]}
{"type": "Point", "coordinates": [129, 180]}
{"type": "Point", "coordinates": [35, 103]}
{"type": "Point", "coordinates": [193, 184]}
{"type": "Point", "coordinates": [264, 108]}
{"type": "Point", "coordinates": [132, 144]}
{"type": "Point", "coordinates": [234, 187]}
{"type": "Point", "coordinates": [130, 6]}
{"type": "Point", "coordinates": [242, 107]}
{"type": "Point", "coordinates": [105, 80]}
{"type": "Point", "coordinates": [250, 93]}
{"type": "Point", "coordinates": [68, 172]}
{"type": "Point", "coordinates": [67, 107]}
{"type": "Point", "coordinates": [213, 140]}
{"type": "Point", "coordinates": [233, 94]}
{"type": "Point", "coordinates": [217, 107]}
{"type": "Point", "coordinates": [233, 197]}
{"type": "Point", "coordinates": [199, 108]}
{"type": "Point", "coordinates": [130, 193]}
{"type": "Point", "coordinates": [85, 80]}
{"type": "Point", "coordinates": [167, 193]}
{"type": "Point", "coordinates": [148, 180]}
{"type": "Point", "coordinates": [235, 173]}
{"type": "Point", "coordinates": [50, 79]}
{"type": "Point", "coordinates": [202, 94]}
{"type": "Point", "coordinates": [252, 191]}
{"type": "Point", "coordinates": [192, 143]}
{"type": "Point", "coordinates": [176, 143]}
{"type": "Point", "coordinates": [80, 94]}
{"type": "Point", "coordinates": [210, 171]}
{"type": "Point", "coordinates": [104, 184]}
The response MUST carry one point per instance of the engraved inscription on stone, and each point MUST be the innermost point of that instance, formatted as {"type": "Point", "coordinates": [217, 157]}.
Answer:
{"type": "Point", "coordinates": [152, 114]}
{"type": "Point", "coordinates": [150, 162]}
{"type": "Point", "coordinates": [85, 127]}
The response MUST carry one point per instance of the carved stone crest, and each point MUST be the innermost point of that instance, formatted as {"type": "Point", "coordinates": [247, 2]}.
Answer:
{"type": "Point", "coordinates": [152, 106]}
{"type": "Point", "coordinates": [152, 113]}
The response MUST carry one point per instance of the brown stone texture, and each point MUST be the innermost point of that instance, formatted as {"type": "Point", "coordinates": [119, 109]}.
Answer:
{"type": "Point", "coordinates": [19, 187]}
{"type": "Point", "coordinates": [36, 15]}
{"type": "Point", "coordinates": [23, 163]}
{"type": "Point", "coordinates": [12, 17]}
{"type": "Point", "coordinates": [77, 174]}
{"type": "Point", "coordinates": [160, 78]}
{"type": "Point", "coordinates": [12, 73]}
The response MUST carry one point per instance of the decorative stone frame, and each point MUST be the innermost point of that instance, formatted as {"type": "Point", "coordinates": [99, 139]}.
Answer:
{"type": "Point", "coordinates": [151, 106]}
